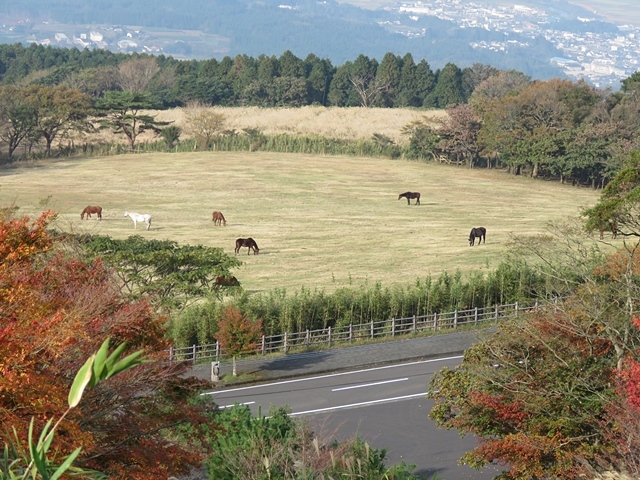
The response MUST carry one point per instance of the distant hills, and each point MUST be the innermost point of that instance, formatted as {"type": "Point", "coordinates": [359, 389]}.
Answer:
{"type": "Point", "coordinates": [214, 29]}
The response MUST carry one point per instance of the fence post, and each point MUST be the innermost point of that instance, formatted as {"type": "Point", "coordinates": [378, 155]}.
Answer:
{"type": "Point", "coordinates": [264, 346]}
{"type": "Point", "coordinates": [194, 354]}
{"type": "Point", "coordinates": [455, 319]}
{"type": "Point", "coordinates": [496, 319]}
{"type": "Point", "coordinates": [329, 337]}
{"type": "Point", "coordinates": [516, 309]}
{"type": "Point", "coordinates": [307, 339]}
{"type": "Point", "coordinates": [217, 351]}
{"type": "Point", "coordinates": [414, 324]}
{"type": "Point", "coordinates": [435, 321]}
{"type": "Point", "coordinates": [475, 317]}
{"type": "Point", "coordinates": [170, 354]}
{"type": "Point", "coordinates": [285, 342]}
{"type": "Point", "coordinates": [372, 332]}
{"type": "Point", "coordinates": [350, 332]}
{"type": "Point", "coordinates": [393, 327]}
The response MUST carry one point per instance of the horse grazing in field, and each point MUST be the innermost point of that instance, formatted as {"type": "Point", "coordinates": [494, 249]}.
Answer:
{"type": "Point", "coordinates": [139, 217]}
{"type": "Point", "coordinates": [250, 243]}
{"type": "Point", "coordinates": [89, 210]}
{"type": "Point", "coordinates": [613, 227]}
{"type": "Point", "coordinates": [409, 196]}
{"type": "Point", "coordinates": [226, 282]}
{"type": "Point", "coordinates": [480, 233]}
{"type": "Point", "coordinates": [218, 219]}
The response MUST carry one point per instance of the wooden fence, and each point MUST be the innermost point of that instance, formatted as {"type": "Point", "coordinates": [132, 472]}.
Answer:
{"type": "Point", "coordinates": [351, 333]}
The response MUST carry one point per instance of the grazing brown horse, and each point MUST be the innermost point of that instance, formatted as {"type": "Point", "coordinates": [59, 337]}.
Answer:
{"type": "Point", "coordinates": [226, 282]}
{"type": "Point", "coordinates": [247, 242]}
{"type": "Point", "coordinates": [218, 219]}
{"type": "Point", "coordinates": [613, 227]}
{"type": "Point", "coordinates": [480, 233]}
{"type": "Point", "coordinates": [89, 210]}
{"type": "Point", "coordinates": [409, 196]}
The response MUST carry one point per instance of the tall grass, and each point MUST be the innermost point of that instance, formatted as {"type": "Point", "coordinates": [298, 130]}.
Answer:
{"type": "Point", "coordinates": [314, 309]}
{"type": "Point", "coordinates": [252, 142]}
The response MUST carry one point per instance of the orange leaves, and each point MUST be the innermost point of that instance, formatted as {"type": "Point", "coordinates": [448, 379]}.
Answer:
{"type": "Point", "coordinates": [503, 412]}
{"type": "Point", "coordinates": [55, 311]}
{"type": "Point", "coordinates": [620, 264]}
{"type": "Point", "coordinates": [18, 240]}
{"type": "Point", "coordinates": [528, 456]}
{"type": "Point", "coordinates": [236, 333]}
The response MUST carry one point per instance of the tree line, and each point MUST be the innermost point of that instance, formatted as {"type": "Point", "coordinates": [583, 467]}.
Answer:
{"type": "Point", "coordinates": [266, 81]}
{"type": "Point", "coordinates": [558, 129]}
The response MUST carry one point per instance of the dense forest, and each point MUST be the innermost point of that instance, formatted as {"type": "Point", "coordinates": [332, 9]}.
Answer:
{"type": "Point", "coordinates": [266, 81]}
{"type": "Point", "coordinates": [328, 29]}
{"type": "Point", "coordinates": [558, 129]}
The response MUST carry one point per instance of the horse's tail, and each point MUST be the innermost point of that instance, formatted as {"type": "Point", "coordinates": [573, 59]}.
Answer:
{"type": "Point", "coordinates": [149, 223]}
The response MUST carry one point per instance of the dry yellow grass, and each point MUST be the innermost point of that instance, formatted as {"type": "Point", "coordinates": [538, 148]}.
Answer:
{"type": "Point", "coordinates": [319, 221]}
{"type": "Point", "coordinates": [332, 122]}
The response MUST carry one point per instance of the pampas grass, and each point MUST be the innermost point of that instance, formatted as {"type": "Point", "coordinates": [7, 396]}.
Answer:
{"type": "Point", "coordinates": [331, 122]}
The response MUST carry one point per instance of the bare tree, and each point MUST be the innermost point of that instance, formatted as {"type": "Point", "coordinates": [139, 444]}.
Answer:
{"type": "Point", "coordinates": [94, 81]}
{"type": "Point", "coordinates": [204, 123]}
{"type": "Point", "coordinates": [136, 75]}
{"type": "Point", "coordinates": [369, 87]}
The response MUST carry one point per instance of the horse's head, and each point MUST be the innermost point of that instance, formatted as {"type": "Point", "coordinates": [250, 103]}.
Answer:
{"type": "Point", "coordinates": [126, 214]}
{"type": "Point", "coordinates": [399, 196]}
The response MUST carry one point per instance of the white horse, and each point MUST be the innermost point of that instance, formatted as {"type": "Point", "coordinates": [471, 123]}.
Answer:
{"type": "Point", "coordinates": [139, 217]}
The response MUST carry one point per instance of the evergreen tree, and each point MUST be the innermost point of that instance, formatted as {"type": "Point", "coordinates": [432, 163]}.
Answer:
{"type": "Point", "coordinates": [389, 74]}
{"type": "Point", "coordinates": [319, 76]}
{"type": "Point", "coordinates": [408, 89]}
{"type": "Point", "coordinates": [425, 82]}
{"type": "Point", "coordinates": [448, 89]}
{"type": "Point", "coordinates": [291, 66]}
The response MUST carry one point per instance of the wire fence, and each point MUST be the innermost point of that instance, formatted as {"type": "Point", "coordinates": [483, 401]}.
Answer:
{"type": "Point", "coordinates": [347, 334]}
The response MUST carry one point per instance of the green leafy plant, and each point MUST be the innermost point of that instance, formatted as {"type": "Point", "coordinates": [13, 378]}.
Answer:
{"type": "Point", "coordinates": [19, 464]}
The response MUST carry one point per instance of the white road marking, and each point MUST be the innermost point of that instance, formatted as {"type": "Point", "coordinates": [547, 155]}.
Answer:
{"type": "Point", "coordinates": [369, 384]}
{"type": "Point", "coordinates": [331, 375]}
{"type": "Point", "coordinates": [361, 404]}
{"type": "Point", "coordinates": [231, 406]}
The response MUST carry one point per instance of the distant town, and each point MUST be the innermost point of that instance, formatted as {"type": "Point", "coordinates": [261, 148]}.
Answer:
{"type": "Point", "coordinates": [602, 59]}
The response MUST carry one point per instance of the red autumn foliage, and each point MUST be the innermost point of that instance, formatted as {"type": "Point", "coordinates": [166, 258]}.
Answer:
{"type": "Point", "coordinates": [55, 311]}
{"type": "Point", "coordinates": [510, 415]}
{"type": "Point", "coordinates": [236, 333]}
{"type": "Point", "coordinates": [623, 417]}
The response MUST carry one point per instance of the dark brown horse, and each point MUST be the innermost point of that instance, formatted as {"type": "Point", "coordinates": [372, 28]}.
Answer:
{"type": "Point", "coordinates": [478, 232]}
{"type": "Point", "coordinates": [89, 210]}
{"type": "Point", "coordinates": [226, 282]}
{"type": "Point", "coordinates": [218, 219]}
{"type": "Point", "coordinates": [613, 227]}
{"type": "Point", "coordinates": [409, 196]}
{"type": "Point", "coordinates": [247, 242]}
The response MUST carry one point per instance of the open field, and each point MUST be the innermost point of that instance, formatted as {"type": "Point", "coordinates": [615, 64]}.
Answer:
{"type": "Point", "coordinates": [319, 221]}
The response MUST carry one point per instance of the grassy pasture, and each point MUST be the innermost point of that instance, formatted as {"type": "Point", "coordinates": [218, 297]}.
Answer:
{"type": "Point", "coordinates": [319, 221]}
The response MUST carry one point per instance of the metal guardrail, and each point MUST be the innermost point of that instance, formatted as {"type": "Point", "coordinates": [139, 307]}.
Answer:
{"type": "Point", "coordinates": [347, 334]}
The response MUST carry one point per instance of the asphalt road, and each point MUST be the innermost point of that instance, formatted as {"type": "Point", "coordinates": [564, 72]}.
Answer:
{"type": "Point", "coordinates": [385, 405]}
